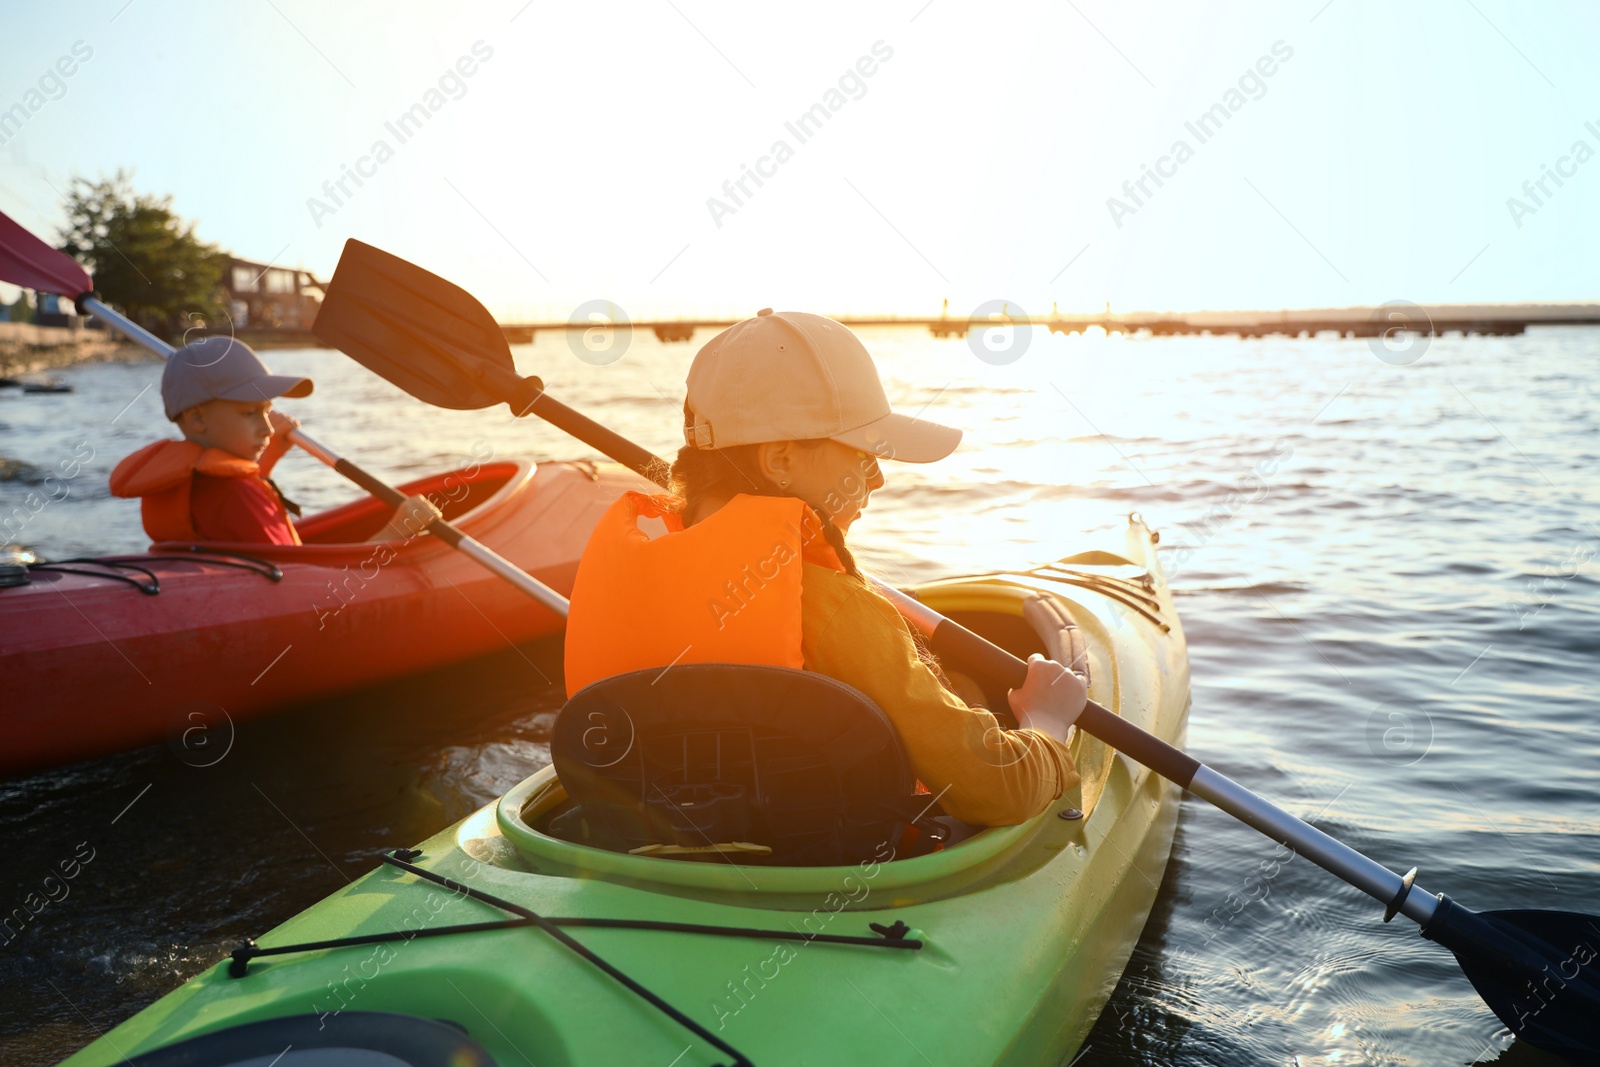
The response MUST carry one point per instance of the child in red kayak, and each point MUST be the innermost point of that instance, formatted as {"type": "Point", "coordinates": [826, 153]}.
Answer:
{"type": "Point", "coordinates": [214, 485]}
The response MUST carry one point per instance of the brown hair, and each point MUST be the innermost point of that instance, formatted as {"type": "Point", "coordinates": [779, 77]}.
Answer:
{"type": "Point", "coordinates": [724, 472]}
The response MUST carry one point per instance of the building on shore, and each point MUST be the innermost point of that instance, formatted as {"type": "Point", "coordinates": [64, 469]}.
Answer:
{"type": "Point", "coordinates": [265, 297]}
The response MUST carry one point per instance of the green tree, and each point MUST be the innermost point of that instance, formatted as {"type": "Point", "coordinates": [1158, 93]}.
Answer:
{"type": "Point", "coordinates": [146, 261]}
{"type": "Point", "coordinates": [22, 310]}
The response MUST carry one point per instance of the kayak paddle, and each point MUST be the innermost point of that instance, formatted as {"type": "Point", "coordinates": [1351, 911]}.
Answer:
{"type": "Point", "coordinates": [27, 261]}
{"type": "Point", "coordinates": [1539, 971]}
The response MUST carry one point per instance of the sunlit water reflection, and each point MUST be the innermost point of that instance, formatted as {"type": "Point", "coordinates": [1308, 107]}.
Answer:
{"type": "Point", "coordinates": [1386, 574]}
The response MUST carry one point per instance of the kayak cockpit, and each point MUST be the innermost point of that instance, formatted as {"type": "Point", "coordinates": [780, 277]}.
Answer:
{"type": "Point", "coordinates": [731, 762]}
{"type": "Point", "coordinates": [545, 823]}
{"type": "Point", "coordinates": [471, 497]}
{"type": "Point", "coordinates": [464, 494]}
{"type": "Point", "coordinates": [523, 817]}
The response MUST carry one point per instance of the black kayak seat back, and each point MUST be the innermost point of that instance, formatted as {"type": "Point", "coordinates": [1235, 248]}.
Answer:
{"type": "Point", "coordinates": [700, 757]}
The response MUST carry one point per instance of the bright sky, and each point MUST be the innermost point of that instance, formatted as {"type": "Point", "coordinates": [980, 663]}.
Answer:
{"type": "Point", "coordinates": [576, 160]}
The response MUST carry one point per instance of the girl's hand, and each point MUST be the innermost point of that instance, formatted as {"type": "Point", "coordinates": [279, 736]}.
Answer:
{"type": "Point", "coordinates": [1050, 699]}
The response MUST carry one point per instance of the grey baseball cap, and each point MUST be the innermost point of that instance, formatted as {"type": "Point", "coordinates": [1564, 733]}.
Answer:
{"type": "Point", "coordinates": [220, 368]}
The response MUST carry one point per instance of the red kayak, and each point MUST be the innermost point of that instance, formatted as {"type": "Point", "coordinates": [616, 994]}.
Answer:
{"type": "Point", "coordinates": [103, 655]}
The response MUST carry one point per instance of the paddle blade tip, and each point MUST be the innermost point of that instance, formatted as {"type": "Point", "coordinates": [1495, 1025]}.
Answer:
{"type": "Point", "coordinates": [28, 262]}
{"type": "Point", "coordinates": [1539, 971]}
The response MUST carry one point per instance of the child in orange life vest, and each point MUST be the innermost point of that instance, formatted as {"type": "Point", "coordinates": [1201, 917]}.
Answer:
{"type": "Point", "coordinates": [214, 485]}
{"type": "Point", "coordinates": [786, 419]}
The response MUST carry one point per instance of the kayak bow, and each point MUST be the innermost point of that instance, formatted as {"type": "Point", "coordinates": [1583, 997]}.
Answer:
{"type": "Point", "coordinates": [1000, 949]}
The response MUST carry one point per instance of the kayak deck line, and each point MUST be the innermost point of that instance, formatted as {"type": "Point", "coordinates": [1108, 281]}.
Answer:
{"type": "Point", "coordinates": [1140, 593]}
{"type": "Point", "coordinates": [894, 936]}
{"type": "Point", "coordinates": [113, 564]}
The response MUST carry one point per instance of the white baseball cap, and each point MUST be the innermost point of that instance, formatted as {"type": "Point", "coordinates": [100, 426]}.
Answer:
{"type": "Point", "coordinates": [221, 368]}
{"type": "Point", "coordinates": [793, 376]}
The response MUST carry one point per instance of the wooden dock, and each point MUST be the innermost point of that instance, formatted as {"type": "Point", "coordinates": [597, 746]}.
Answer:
{"type": "Point", "coordinates": [1498, 320]}
{"type": "Point", "coordinates": [1467, 320]}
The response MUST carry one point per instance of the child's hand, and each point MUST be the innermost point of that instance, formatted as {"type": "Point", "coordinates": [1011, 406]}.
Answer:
{"type": "Point", "coordinates": [1050, 699]}
{"type": "Point", "coordinates": [282, 422]}
{"type": "Point", "coordinates": [410, 519]}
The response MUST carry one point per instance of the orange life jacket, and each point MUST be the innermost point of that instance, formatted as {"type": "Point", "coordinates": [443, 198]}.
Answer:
{"type": "Point", "coordinates": [162, 474]}
{"type": "Point", "coordinates": [725, 590]}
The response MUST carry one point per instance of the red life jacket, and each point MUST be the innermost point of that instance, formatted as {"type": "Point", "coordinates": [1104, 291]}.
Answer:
{"type": "Point", "coordinates": [725, 590]}
{"type": "Point", "coordinates": [162, 476]}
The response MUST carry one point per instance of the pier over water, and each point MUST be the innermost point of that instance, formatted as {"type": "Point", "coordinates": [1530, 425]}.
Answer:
{"type": "Point", "coordinates": [1467, 320]}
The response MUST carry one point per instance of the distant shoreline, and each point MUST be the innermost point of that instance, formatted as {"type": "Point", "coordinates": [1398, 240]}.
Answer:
{"type": "Point", "coordinates": [27, 349]}
{"type": "Point", "coordinates": [1380, 321]}
{"type": "Point", "coordinates": [19, 359]}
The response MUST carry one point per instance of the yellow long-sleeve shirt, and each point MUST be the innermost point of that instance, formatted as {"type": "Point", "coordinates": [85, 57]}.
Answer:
{"type": "Point", "coordinates": [982, 772]}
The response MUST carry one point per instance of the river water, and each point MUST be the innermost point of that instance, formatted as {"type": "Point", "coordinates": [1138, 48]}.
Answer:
{"type": "Point", "coordinates": [1384, 561]}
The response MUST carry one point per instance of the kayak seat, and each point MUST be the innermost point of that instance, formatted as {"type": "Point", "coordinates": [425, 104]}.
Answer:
{"type": "Point", "coordinates": [735, 763]}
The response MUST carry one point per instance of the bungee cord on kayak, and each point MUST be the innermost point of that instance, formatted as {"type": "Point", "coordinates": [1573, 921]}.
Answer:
{"type": "Point", "coordinates": [1135, 592]}
{"type": "Point", "coordinates": [577, 947]}
{"type": "Point", "coordinates": [889, 936]}
{"type": "Point", "coordinates": [1125, 593]}
{"type": "Point", "coordinates": [108, 567]}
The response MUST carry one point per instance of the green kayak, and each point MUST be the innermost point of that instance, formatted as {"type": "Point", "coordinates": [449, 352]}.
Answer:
{"type": "Point", "coordinates": [999, 946]}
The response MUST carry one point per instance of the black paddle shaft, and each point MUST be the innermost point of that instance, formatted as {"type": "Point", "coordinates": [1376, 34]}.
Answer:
{"type": "Point", "coordinates": [529, 398]}
{"type": "Point", "coordinates": [958, 643]}
{"type": "Point", "coordinates": [382, 490]}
